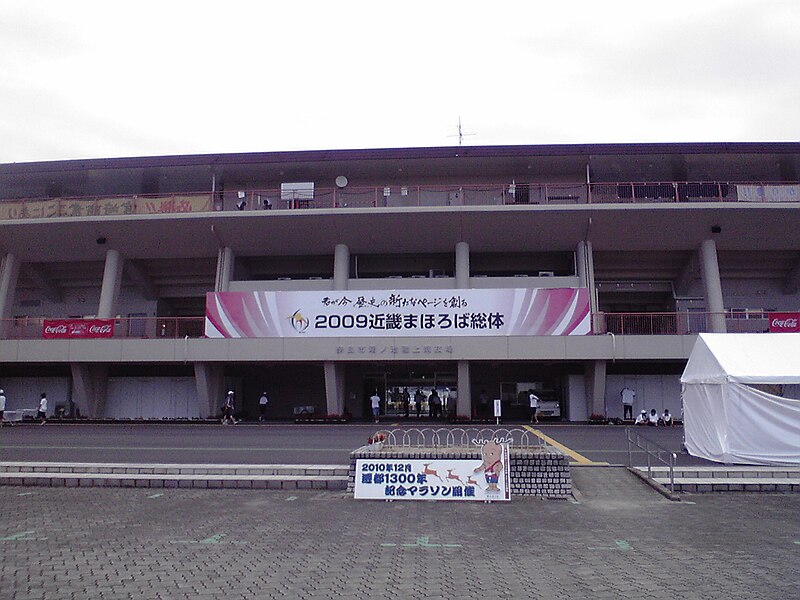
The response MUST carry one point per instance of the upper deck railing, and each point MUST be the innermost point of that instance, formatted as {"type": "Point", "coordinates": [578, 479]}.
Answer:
{"type": "Point", "coordinates": [677, 323]}
{"type": "Point", "coordinates": [400, 196]}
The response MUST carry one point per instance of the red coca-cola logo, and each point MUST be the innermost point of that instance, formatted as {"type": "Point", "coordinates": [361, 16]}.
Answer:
{"type": "Point", "coordinates": [784, 323]}
{"type": "Point", "coordinates": [55, 329]}
{"type": "Point", "coordinates": [100, 329]}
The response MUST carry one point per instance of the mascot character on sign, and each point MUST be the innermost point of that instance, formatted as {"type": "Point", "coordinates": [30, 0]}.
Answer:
{"type": "Point", "coordinates": [492, 465]}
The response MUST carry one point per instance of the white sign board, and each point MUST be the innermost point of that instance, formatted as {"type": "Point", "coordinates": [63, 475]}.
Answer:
{"type": "Point", "coordinates": [430, 479]}
{"type": "Point", "coordinates": [498, 407]}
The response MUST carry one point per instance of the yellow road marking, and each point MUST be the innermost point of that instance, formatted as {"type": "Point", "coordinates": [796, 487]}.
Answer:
{"type": "Point", "coordinates": [578, 458]}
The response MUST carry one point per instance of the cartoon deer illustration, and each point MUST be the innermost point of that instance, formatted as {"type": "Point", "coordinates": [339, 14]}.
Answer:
{"type": "Point", "coordinates": [471, 481]}
{"type": "Point", "coordinates": [456, 477]}
{"type": "Point", "coordinates": [431, 472]}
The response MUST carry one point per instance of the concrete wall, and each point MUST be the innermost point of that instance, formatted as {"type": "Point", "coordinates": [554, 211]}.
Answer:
{"type": "Point", "coordinates": [152, 398]}
{"type": "Point", "coordinates": [652, 391]}
{"type": "Point", "coordinates": [24, 392]}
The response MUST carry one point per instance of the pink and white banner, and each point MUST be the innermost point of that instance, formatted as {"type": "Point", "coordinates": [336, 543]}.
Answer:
{"type": "Point", "coordinates": [393, 313]}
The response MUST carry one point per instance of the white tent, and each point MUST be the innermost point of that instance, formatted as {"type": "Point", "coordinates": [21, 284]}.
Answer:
{"type": "Point", "coordinates": [726, 418]}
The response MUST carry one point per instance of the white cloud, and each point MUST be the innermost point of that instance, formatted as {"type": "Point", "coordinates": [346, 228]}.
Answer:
{"type": "Point", "coordinates": [91, 79]}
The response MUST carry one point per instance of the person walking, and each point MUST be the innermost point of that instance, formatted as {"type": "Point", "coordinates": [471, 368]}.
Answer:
{"type": "Point", "coordinates": [42, 412]}
{"type": "Point", "coordinates": [419, 398]}
{"type": "Point", "coordinates": [375, 400]}
{"type": "Point", "coordinates": [262, 406]}
{"type": "Point", "coordinates": [227, 410]}
{"type": "Point", "coordinates": [534, 405]}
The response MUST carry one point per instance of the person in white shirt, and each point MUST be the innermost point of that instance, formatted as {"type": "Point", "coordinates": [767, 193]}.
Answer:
{"type": "Point", "coordinates": [262, 406]}
{"type": "Point", "coordinates": [642, 418]}
{"type": "Point", "coordinates": [666, 419]}
{"type": "Point", "coordinates": [628, 396]}
{"type": "Point", "coordinates": [2, 406]}
{"type": "Point", "coordinates": [376, 405]}
{"type": "Point", "coordinates": [42, 413]}
{"type": "Point", "coordinates": [534, 405]}
{"type": "Point", "coordinates": [652, 420]}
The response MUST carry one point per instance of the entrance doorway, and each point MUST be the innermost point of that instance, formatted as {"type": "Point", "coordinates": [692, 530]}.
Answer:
{"type": "Point", "coordinates": [408, 392]}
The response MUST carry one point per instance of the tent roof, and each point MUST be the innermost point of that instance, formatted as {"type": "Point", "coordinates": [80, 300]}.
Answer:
{"type": "Point", "coordinates": [744, 358]}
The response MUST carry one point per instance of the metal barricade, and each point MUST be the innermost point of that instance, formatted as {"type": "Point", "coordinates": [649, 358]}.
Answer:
{"type": "Point", "coordinates": [652, 450]}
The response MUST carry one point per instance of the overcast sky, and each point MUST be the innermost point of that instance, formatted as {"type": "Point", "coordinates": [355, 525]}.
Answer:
{"type": "Point", "coordinates": [93, 79]}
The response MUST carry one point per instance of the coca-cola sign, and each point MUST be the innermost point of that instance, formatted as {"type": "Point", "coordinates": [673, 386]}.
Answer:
{"type": "Point", "coordinates": [78, 328]}
{"type": "Point", "coordinates": [784, 322]}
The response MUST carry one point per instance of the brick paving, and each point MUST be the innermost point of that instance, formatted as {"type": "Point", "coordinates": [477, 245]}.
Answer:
{"type": "Point", "coordinates": [619, 540]}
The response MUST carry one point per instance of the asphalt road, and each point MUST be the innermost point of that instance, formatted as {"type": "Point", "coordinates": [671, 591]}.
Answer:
{"type": "Point", "coordinates": [270, 443]}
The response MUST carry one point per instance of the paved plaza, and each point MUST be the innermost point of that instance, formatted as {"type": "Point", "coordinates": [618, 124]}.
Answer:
{"type": "Point", "coordinates": [618, 540]}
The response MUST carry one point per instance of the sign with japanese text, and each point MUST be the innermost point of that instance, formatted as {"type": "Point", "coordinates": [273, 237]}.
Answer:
{"type": "Point", "coordinates": [768, 193]}
{"type": "Point", "coordinates": [77, 328]}
{"type": "Point", "coordinates": [392, 313]}
{"type": "Point", "coordinates": [430, 479]}
{"type": "Point", "coordinates": [95, 207]}
{"type": "Point", "coordinates": [784, 322]}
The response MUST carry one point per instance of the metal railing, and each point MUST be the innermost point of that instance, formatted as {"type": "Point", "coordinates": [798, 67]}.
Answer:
{"type": "Point", "coordinates": [491, 194]}
{"type": "Point", "coordinates": [653, 451]}
{"type": "Point", "coordinates": [130, 327]}
{"type": "Point", "coordinates": [455, 437]}
{"type": "Point", "coordinates": [677, 323]}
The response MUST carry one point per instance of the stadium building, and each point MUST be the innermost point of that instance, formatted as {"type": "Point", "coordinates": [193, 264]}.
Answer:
{"type": "Point", "coordinates": [148, 287]}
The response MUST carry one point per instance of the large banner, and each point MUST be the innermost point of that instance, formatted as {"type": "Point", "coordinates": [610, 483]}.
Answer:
{"type": "Point", "coordinates": [429, 479]}
{"type": "Point", "coordinates": [77, 328]}
{"type": "Point", "coordinates": [77, 207]}
{"type": "Point", "coordinates": [392, 313]}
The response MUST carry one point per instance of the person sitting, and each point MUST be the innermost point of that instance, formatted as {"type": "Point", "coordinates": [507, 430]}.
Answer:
{"type": "Point", "coordinates": [652, 419]}
{"type": "Point", "coordinates": [641, 419]}
{"type": "Point", "coordinates": [666, 419]}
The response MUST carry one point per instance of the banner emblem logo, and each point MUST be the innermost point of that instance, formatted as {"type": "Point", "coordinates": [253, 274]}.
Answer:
{"type": "Point", "coordinates": [299, 322]}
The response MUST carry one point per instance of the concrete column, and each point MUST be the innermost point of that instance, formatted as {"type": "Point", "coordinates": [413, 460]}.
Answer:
{"type": "Point", "coordinates": [588, 252]}
{"type": "Point", "coordinates": [210, 381]}
{"type": "Point", "coordinates": [334, 388]}
{"type": "Point", "coordinates": [341, 267]}
{"type": "Point", "coordinates": [464, 404]}
{"type": "Point", "coordinates": [90, 389]}
{"type": "Point", "coordinates": [9, 272]}
{"type": "Point", "coordinates": [225, 260]}
{"type": "Point", "coordinates": [462, 265]}
{"type": "Point", "coordinates": [112, 282]}
{"type": "Point", "coordinates": [334, 371]}
{"type": "Point", "coordinates": [581, 269]}
{"type": "Point", "coordinates": [595, 377]}
{"type": "Point", "coordinates": [712, 283]}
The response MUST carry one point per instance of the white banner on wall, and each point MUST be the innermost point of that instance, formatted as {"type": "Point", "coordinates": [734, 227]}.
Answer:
{"type": "Point", "coordinates": [392, 313]}
{"type": "Point", "coordinates": [430, 479]}
{"type": "Point", "coordinates": [768, 193]}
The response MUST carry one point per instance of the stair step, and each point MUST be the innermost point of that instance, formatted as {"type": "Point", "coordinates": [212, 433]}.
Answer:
{"type": "Point", "coordinates": [733, 484]}
{"type": "Point", "coordinates": [723, 472]}
{"type": "Point", "coordinates": [173, 469]}
{"type": "Point", "coordinates": [297, 477]}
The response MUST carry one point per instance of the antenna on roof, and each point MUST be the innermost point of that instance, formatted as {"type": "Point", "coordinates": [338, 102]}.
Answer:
{"type": "Point", "coordinates": [460, 135]}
